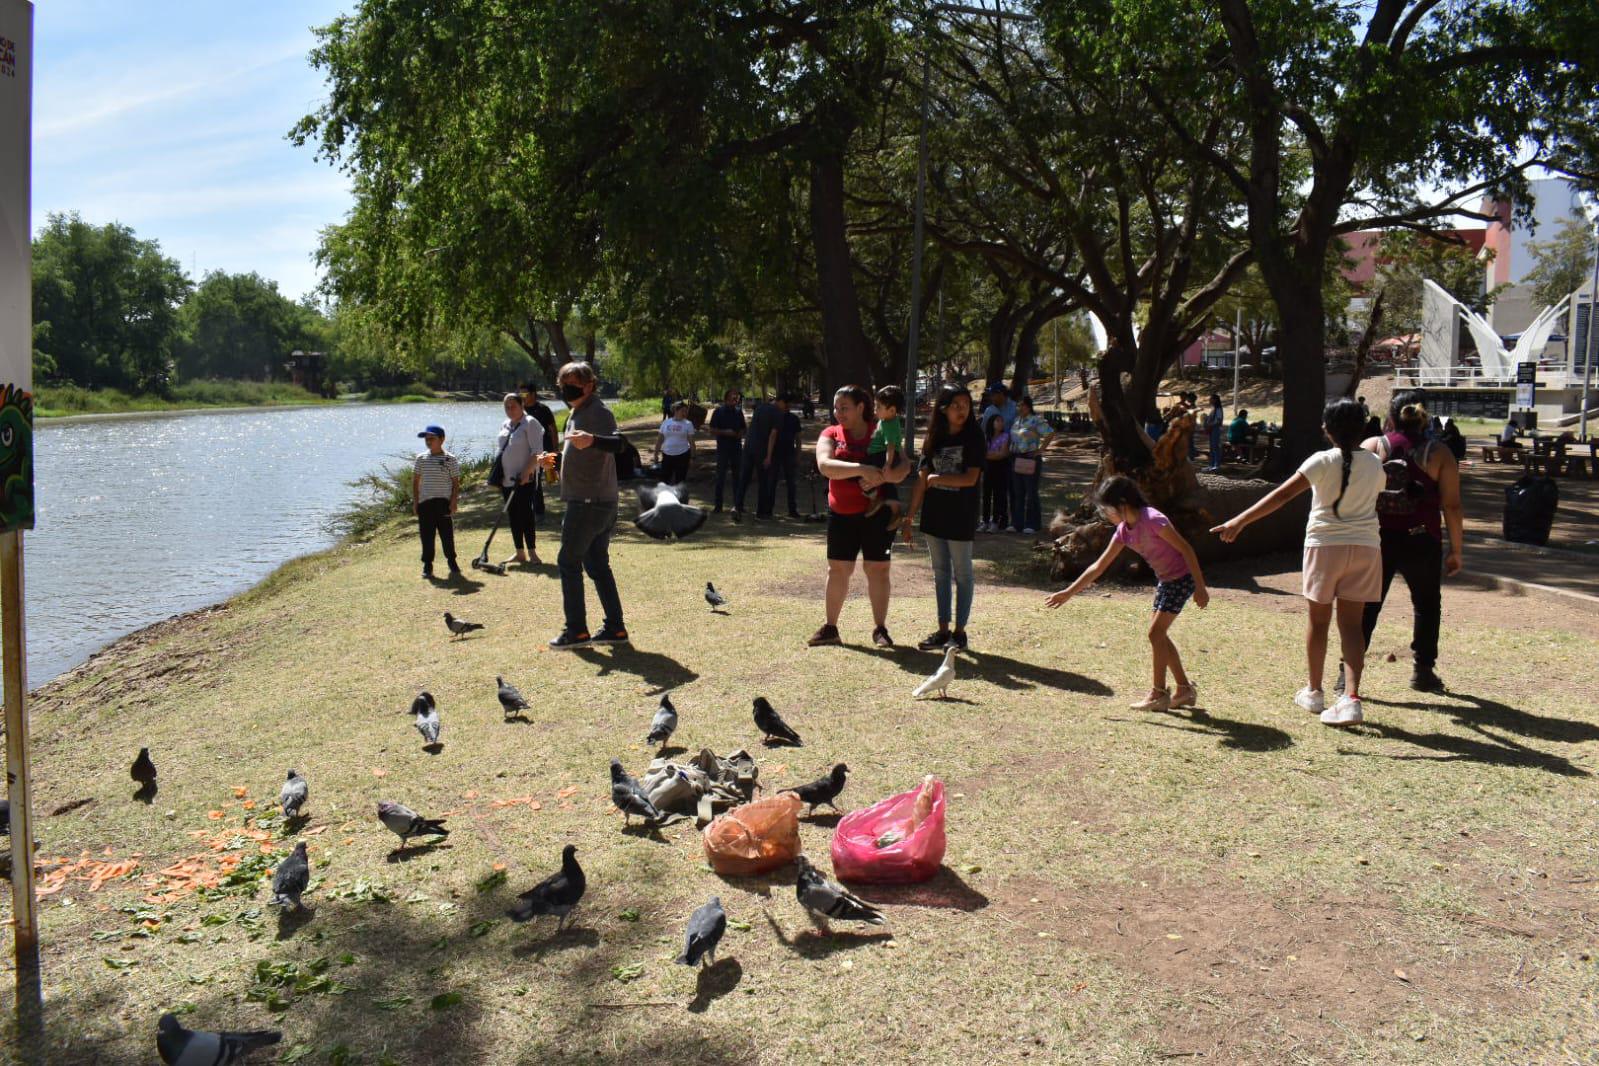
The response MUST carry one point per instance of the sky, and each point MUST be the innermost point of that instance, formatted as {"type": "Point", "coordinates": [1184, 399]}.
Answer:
{"type": "Point", "coordinates": [170, 116]}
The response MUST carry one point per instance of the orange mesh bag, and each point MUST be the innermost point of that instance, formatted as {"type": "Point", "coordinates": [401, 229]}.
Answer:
{"type": "Point", "coordinates": [754, 838]}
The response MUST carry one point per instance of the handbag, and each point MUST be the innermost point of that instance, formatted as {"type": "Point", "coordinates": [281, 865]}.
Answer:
{"type": "Point", "coordinates": [1026, 465]}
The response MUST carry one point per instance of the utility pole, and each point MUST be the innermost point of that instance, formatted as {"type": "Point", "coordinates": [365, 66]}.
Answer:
{"type": "Point", "coordinates": [1238, 329]}
{"type": "Point", "coordinates": [1591, 349]}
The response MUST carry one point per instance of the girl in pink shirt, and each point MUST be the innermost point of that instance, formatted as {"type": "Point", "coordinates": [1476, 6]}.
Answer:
{"type": "Point", "coordinates": [1177, 577]}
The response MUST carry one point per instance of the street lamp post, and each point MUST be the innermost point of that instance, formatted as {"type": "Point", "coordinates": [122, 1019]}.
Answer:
{"type": "Point", "coordinates": [1591, 348]}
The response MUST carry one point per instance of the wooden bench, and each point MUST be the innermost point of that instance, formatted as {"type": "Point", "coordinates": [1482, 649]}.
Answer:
{"type": "Point", "coordinates": [1498, 453]}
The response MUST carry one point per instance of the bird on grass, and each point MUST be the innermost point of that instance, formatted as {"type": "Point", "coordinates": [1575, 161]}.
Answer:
{"type": "Point", "coordinates": [941, 678]}
{"type": "Point", "coordinates": [460, 626]}
{"type": "Point", "coordinates": [557, 894]}
{"type": "Point", "coordinates": [663, 725]}
{"type": "Point", "coordinates": [291, 878]}
{"type": "Point", "coordinates": [823, 789]}
{"type": "Point", "coordinates": [629, 797]}
{"type": "Point", "coordinates": [293, 794]}
{"type": "Point", "coordinates": [705, 928]}
{"type": "Point", "coordinates": [189, 1047]}
{"type": "Point", "coordinates": [405, 823]}
{"type": "Point", "coordinates": [427, 717]}
{"type": "Point", "coordinates": [771, 724]}
{"type": "Point", "coordinates": [714, 598]}
{"type": "Point", "coordinates": [827, 900]}
{"type": "Point", "coordinates": [512, 702]}
{"type": "Point", "coordinates": [143, 769]}
{"type": "Point", "coordinates": [664, 512]}
{"type": "Point", "coordinates": [5, 818]}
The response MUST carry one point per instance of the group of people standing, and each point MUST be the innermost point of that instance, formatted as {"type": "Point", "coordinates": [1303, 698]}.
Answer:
{"type": "Point", "coordinates": [1014, 437]}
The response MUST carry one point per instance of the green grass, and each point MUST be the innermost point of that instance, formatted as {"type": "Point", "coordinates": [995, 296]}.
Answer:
{"type": "Point", "coordinates": [1243, 885]}
{"type": "Point", "coordinates": [411, 392]}
{"type": "Point", "coordinates": [54, 401]}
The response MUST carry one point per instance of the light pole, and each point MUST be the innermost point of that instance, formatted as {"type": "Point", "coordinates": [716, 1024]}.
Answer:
{"type": "Point", "coordinates": [1591, 349]}
{"type": "Point", "coordinates": [1238, 328]}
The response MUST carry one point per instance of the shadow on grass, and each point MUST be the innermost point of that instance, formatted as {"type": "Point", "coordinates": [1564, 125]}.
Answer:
{"type": "Point", "coordinates": [292, 919]}
{"type": "Point", "coordinates": [571, 938]}
{"type": "Point", "coordinates": [416, 851]}
{"type": "Point", "coordinates": [813, 943]}
{"type": "Point", "coordinates": [145, 794]}
{"type": "Point", "coordinates": [1491, 751]}
{"type": "Point", "coordinates": [1001, 670]}
{"type": "Point", "coordinates": [945, 891]}
{"type": "Point", "coordinates": [1239, 736]}
{"type": "Point", "coordinates": [714, 982]}
{"type": "Point", "coordinates": [1493, 714]}
{"type": "Point", "coordinates": [662, 672]}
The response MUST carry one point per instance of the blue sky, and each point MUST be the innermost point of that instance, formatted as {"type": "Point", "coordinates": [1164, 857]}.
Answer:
{"type": "Point", "coordinates": [170, 116]}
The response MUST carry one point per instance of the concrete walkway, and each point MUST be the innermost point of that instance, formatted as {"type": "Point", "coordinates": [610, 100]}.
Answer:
{"type": "Point", "coordinates": [1565, 573]}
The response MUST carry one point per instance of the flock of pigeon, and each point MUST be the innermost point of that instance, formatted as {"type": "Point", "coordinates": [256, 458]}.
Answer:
{"type": "Point", "coordinates": [558, 894]}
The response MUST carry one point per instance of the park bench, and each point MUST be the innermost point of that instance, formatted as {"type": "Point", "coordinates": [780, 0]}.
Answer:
{"type": "Point", "coordinates": [1498, 453]}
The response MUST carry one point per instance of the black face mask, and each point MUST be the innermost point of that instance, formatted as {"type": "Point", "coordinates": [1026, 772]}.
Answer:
{"type": "Point", "coordinates": [570, 393]}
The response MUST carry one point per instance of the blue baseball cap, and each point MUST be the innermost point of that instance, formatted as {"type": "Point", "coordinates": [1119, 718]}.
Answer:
{"type": "Point", "coordinates": [431, 431]}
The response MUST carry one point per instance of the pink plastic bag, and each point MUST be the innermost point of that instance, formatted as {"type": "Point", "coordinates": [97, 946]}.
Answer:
{"type": "Point", "coordinates": [899, 841]}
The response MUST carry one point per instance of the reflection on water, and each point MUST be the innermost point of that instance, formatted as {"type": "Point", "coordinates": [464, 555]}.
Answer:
{"type": "Point", "coordinates": [144, 518]}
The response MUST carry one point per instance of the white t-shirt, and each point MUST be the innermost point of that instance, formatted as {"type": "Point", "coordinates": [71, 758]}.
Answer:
{"type": "Point", "coordinates": [1356, 519]}
{"type": "Point", "coordinates": [678, 436]}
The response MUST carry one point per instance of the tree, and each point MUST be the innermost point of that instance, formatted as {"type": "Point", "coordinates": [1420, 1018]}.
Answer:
{"type": "Point", "coordinates": [1406, 258]}
{"type": "Point", "coordinates": [238, 326]}
{"type": "Point", "coordinates": [1562, 264]}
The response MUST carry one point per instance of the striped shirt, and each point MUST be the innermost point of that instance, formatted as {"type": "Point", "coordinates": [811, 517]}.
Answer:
{"type": "Point", "coordinates": [437, 472]}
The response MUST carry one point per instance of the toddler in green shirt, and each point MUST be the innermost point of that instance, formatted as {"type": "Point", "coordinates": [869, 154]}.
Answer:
{"type": "Point", "coordinates": [886, 447]}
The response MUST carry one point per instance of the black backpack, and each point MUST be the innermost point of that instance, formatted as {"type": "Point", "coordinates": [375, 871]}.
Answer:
{"type": "Point", "coordinates": [1401, 494]}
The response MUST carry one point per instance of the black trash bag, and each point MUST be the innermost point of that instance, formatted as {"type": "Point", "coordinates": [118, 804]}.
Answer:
{"type": "Point", "coordinates": [1530, 505]}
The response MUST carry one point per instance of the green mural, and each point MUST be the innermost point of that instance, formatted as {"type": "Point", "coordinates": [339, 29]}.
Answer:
{"type": "Point", "coordinates": [16, 458]}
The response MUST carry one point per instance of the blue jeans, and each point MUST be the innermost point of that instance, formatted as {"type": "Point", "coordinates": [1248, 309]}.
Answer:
{"type": "Point", "coordinates": [728, 461]}
{"type": "Point", "coordinates": [1215, 447]}
{"type": "Point", "coordinates": [952, 565]}
{"type": "Point", "coordinates": [586, 546]}
{"type": "Point", "coordinates": [1025, 508]}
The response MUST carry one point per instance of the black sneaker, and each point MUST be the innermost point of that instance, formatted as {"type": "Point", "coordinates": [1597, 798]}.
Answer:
{"type": "Point", "coordinates": [567, 641]}
{"type": "Point", "coordinates": [717, 509]}
{"type": "Point", "coordinates": [881, 638]}
{"type": "Point", "coordinates": [455, 569]}
{"type": "Point", "coordinates": [607, 635]}
{"type": "Point", "coordinates": [427, 572]}
{"type": "Point", "coordinates": [958, 638]}
{"type": "Point", "coordinates": [824, 635]}
{"type": "Point", "coordinates": [1424, 680]}
{"type": "Point", "coordinates": [934, 641]}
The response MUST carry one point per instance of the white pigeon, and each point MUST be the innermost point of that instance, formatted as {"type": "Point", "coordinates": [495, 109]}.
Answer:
{"type": "Point", "coordinates": [941, 678]}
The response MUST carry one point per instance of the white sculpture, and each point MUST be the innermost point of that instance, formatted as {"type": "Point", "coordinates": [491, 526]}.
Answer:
{"type": "Point", "coordinates": [1498, 362]}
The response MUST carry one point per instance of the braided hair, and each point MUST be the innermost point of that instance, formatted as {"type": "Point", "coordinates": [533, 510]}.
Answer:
{"type": "Point", "coordinates": [1345, 424]}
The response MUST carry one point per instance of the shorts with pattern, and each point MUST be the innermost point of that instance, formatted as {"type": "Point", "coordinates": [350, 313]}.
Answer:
{"type": "Point", "coordinates": [1170, 596]}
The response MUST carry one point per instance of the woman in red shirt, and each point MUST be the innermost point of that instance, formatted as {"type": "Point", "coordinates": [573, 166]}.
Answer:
{"type": "Point", "coordinates": [851, 533]}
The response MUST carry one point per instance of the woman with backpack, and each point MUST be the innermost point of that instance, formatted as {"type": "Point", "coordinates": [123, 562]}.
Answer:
{"type": "Point", "coordinates": [516, 474]}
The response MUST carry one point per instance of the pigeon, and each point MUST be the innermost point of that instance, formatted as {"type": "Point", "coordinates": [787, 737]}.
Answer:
{"type": "Point", "coordinates": [512, 702]}
{"type": "Point", "coordinates": [705, 928]}
{"type": "Point", "coordinates": [941, 678]}
{"type": "Point", "coordinates": [664, 513]}
{"type": "Point", "coordinates": [714, 598]}
{"type": "Point", "coordinates": [292, 877]}
{"type": "Point", "coordinates": [427, 717]}
{"type": "Point", "coordinates": [292, 795]}
{"type": "Point", "coordinates": [189, 1047]}
{"type": "Point", "coordinates": [460, 626]}
{"type": "Point", "coordinates": [5, 818]}
{"type": "Point", "coordinates": [144, 769]}
{"type": "Point", "coordinates": [664, 724]}
{"type": "Point", "coordinates": [406, 823]}
{"type": "Point", "coordinates": [823, 789]}
{"type": "Point", "coordinates": [826, 899]}
{"type": "Point", "coordinates": [629, 797]}
{"type": "Point", "coordinates": [557, 894]}
{"type": "Point", "coordinates": [771, 723]}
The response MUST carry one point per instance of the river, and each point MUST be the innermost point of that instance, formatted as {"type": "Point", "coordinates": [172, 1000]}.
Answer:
{"type": "Point", "coordinates": [144, 517]}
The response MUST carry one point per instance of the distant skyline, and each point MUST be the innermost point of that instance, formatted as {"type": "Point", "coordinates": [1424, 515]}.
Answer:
{"type": "Point", "coordinates": [171, 117]}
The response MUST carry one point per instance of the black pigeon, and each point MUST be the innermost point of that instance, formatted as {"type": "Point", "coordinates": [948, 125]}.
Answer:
{"type": "Point", "coordinates": [458, 626]}
{"type": "Point", "coordinates": [664, 512]}
{"type": "Point", "coordinates": [664, 724]}
{"type": "Point", "coordinates": [5, 818]}
{"type": "Point", "coordinates": [512, 702]}
{"type": "Point", "coordinates": [427, 717]}
{"type": "Point", "coordinates": [406, 823]}
{"type": "Point", "coordinates": [629, 797]}
{"type": "Point", "coordinates": [823, 789]}
{"type": "Point", "coordinates": [771, 723]}
{"type": "Point", "coordinates": [705, 929]}
{"type": "Point", "coordinates": [714, 598]}
{"type": "Point", "coordinates": [292, 877]}
{"type": "Point", "coordinates": [144, 769]}
{"type": "Point", "coordinates": [826, 899]}
{"type": "Point", "coordinates": [557, 894]}
{"type": "Point", "coordinates": [188, 1047]}
{"type": "Point", "coordinates": [293, 794]}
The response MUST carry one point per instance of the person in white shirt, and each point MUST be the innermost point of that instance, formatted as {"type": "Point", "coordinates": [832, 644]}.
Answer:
{"type": "Point", "coordinates": [516, 474]}
{"type": "Point", "coordinates": [1343, 551]}
{"type": "Point", "coordinates": [674, 447]}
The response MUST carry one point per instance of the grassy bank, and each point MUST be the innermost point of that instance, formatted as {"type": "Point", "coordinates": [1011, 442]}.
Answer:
{"type": "Point", "coordinates": [55, 401]}
{"type": "Point", "coordinates": [1238, 884]}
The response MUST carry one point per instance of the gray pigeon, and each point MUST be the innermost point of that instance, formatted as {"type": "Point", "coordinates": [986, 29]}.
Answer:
{"type": "Point", "coordinates": [826, 899]}
{"type": "Point", "coordinates": [460, 626]}
{"type": "Point", "coordinates": [770, 723]}
{"type": "Point", "coordinates": [664, 513]}
{"type": "Point", "coordinates": [5, 818]}
{"type": "Point", "coordinates": [143, 769]}
{"type": "Point", "coordinates": [557, 894]}
{"type": "Point", "coordinates": [406, 823]}
{"type": "Point", "coordinates": [188, 1047]}
{"type": "Point", "coordinates": [512, 702]}
{"type": "Point", "coordinates": [705, 928]}
{"type": "Point", "coordinates": [663, 725]}
{"type": "Point", "coordinates": [629, 797]}
{"type": "Point", "coordinates": [714, 598]}
{"type": "Point", "coordinates": [293, 794]}
{"type": "Point", "coordinates": [427, 717]}
{"type": "Point", "coordinates": [292, 877]}
{"type": "Point", "coordinates": [823, 789]}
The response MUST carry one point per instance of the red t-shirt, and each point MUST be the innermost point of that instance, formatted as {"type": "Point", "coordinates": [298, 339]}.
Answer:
{"type": "Point", "coordinates": [844, 495]}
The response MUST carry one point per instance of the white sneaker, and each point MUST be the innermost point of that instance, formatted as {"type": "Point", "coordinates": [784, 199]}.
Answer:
{"type": "Point", "coordinates": [985, 527]}
{"type": "Point", "coordinates": [1311, 699]}
{"type": "Point", "coordinates": [1345, 712]}
{"type": "Point", "coordinates": [1029, 531]}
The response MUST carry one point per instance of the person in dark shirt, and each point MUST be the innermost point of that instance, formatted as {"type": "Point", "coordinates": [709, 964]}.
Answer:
{"type": "Point", "coordinates": [540, 413]}
{"type": "Point", "coordinates": [757, 446]}
{"type": "Point", "coordinates": [727, 426]}
{"type": "Point", "coordinates": [783, 463]}
{"type": "Point", "coordinates": [946, 493]}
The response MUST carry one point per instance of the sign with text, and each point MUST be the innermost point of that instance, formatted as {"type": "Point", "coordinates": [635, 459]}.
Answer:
{"type": "Point", "coordinates": [16, 266]}
{"type": "Point", "coordinates": [1526, 384]}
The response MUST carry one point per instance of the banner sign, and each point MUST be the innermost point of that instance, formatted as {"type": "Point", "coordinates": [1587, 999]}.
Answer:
{"type": "Point", "coordinates": [1526, 384]}
{"type": "Point", "coordinates": [16, 267]}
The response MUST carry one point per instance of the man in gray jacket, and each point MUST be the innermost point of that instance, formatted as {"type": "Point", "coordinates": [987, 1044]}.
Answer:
{"type": "Point", "coordinates": [588, 488]}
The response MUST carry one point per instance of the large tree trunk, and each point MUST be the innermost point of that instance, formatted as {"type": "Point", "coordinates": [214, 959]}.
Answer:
{"type": "Point", "coordinates": [1026, 355]}
{"type": "Point", "coordinates": [1301, 345]}
{"type": "Point", "coordinates": [845, 340]}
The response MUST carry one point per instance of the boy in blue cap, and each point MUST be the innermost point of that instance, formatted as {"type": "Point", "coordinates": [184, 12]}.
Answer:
{"type": "Point", "coordinates": [435, 489]}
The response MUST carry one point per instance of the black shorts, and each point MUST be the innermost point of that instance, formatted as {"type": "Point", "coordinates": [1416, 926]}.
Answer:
{"type": "Point", "coordinates": [851, 535]}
